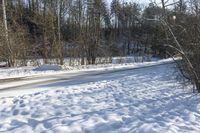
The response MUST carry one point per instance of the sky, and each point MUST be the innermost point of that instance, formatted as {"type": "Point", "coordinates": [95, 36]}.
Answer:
{"type": "Point", "coordinates": [143, 2]}
{"type": "Point", "coordinates": [137, 1]}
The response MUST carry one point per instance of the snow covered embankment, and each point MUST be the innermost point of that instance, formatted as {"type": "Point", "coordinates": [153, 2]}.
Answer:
{"type": "Point", "coordinates": [141, 101]}
{"type": "Point", "coordinates": [43, 70]}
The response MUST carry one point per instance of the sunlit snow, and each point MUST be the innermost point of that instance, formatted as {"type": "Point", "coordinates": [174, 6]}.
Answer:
{"type": "Point", "coordinates": [147, 100]}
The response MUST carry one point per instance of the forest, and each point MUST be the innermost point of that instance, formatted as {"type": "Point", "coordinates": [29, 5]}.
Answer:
{"type": "Point", "coordinates": [91, 29]}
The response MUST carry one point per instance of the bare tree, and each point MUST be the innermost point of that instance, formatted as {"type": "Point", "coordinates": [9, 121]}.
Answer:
{"type": "Point", "coordinates": [9, 58]}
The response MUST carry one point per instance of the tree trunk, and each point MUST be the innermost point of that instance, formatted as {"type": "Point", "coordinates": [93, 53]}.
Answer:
{"type": "Point", "coordinates": [10, 57]}
{"type": "Point", "coordinates": [44, 34]}
{"type": "Point", "coordinates": [59, 35]}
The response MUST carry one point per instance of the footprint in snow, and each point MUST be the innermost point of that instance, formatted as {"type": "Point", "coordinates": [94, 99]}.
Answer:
{"type": "Point", "coordinates": [22, 105]}
{"type": "Point", "coordinates": [24, 113]}
{"type": "Point", "coordinates": [47, 125]}
{"type": "Point", "coordinates": [16, 112]}
{"type": "Point", "coordinates": [33, 123]}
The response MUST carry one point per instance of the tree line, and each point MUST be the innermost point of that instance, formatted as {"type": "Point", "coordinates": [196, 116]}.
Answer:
{"type": "Point", "coordinates": [87, 29]}
{"type": "Point", "coordinates": [84, 29]}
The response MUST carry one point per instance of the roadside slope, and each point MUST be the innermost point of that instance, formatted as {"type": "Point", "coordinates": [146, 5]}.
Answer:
{"type": "Point", "coordinates": [145, 100]}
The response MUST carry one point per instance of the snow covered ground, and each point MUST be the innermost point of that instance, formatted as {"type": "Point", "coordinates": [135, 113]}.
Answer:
{"type": "Point", "coordinates": [6, 73]}
{"type": "Point", "coordinates": [147, 100]}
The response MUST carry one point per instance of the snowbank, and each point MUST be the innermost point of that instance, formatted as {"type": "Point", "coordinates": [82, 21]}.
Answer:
{"type": "Point", "coordinates": [47, 67]}
{"type": "Point", "coordinates": [6, 73]}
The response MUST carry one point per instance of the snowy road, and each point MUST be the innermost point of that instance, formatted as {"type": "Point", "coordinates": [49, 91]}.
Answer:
{"type": "Point", "coordinates": [26, 85]}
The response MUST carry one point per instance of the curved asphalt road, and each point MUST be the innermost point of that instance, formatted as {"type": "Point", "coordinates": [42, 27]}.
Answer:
{"type": "Point", "coordinates": [66, 79]}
